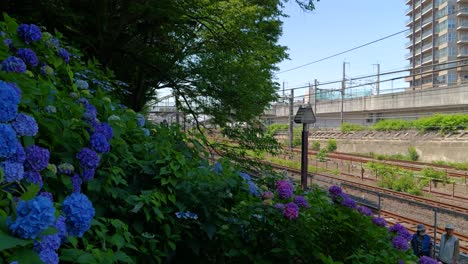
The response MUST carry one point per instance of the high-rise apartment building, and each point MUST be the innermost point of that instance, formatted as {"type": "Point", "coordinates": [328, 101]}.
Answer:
{"type": "Point", "coordinates": [438, 40]}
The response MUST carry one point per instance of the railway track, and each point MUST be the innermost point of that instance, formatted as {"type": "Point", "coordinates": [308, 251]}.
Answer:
{"type": "Point", "coordinates": [391, 217]}
{"type": "Point", "coordinates": [405, 196]}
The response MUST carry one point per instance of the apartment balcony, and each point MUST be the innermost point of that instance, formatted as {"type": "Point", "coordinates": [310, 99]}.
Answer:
{"type": "Point", "coordinates": [463, 11]}
{"type": "Point", "coordinates": [462, 53]}
{"type": "Point", "coordinates": [462, 25]}
{"type": "Point", "coordinates": [409, 10]}
{"type": "Point", "coordinates": [462, 1]}
{"type": "Point", "coordinates": [426, 47]}
{"type": "Point", "coordinates": [426, 34]}
{"type": "Point", "coordinates": [462, 39]}
{"type": "Point", "coordinates": [427, 21]}
{"type": "Point", "coordinates": [426, 9]}
{"type": "Point", "coordinates": [427, 59]}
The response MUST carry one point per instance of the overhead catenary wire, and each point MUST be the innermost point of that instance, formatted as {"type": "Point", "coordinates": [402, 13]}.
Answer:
{"type": "Point", "coordinates": [363, 45]}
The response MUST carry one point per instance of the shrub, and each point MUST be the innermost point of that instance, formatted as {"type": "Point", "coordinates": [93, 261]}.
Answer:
{"type": "Point", "coordinates": [349, 127]}
{"type": "Point", "coordinates": [392, 124]}
{"type": "Point", "coordinates": [413, 154]}
{"type": "Point", "coordinates": [315, 146]}
{"type": "Point", "coordinates": [322, 155]}
{"type": "Point", "coordinates": [273, 128]}
{"type": "Point", "coordinates": [331, 145]}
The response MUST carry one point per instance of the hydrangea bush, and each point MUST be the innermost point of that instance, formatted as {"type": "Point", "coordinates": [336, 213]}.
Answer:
{"type": "Point", "coordinates": [86, 180]}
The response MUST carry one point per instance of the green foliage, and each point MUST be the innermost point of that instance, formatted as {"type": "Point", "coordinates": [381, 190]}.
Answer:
{"type": "Point", "coordinates": [435, 174]}
{"type": "Point", "coordinates": [315, 146]}
{"type": "Point", "coordinates": [322, 155]}
{"type": "Point", "coordinates": [331, 145]}
{"type": "Point", "coordinates": [456, 165]}
{"type": "Point", "coordinates": [392, 124]}
{"type": "Point", "coordinates": [350, 127]}
{"type": "Point", "coordinates": [413, 154]}
{"type": "Point", "coordinates": [442, 123]}
{"type": "Point", "coordinates": [273, 128]}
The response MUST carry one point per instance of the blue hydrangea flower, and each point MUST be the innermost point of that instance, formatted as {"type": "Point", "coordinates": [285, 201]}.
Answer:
{"type": "Point", "coordinates": [99, 143]}
{"type": "Point", "coordinates": [218, 168]}
{"type": "Point", "coordinates": [88, 174]}
{"type": "Point", "coordinates": [61, 227]}
{"type": "Point", "coordinates": [140, 120]}
{"type": "Point", "coordinates": [53, 43]}
{"type": "Point", "coordinates": [66, 168]}
{"type": "Point", "coordinates": [78, 211]}
{"type": "Point", "coordinates": [400, 243]}
{"type": "Point", "coordinates": [301, 201]}
{"type": "Point", "coordinates": [50, 109]}
{"type": "Point", "coordinates": [146, 132]}
{"type": "Point", "coordinates": [244, 176]}
{"type": "Point", "coordinates": [47, 195]}
{"type": "Point", "coordinates": [76, 183]}
{"type": "Point", "coordinates": [19, 156]}
{"type": "Point", "coordinates": [28, 56]}
{"type": "Point", "coordinates": [186, 215]}
{"type": "Point", "coordinates": [17, 90]}
{"type": "Point", "coordinates": [49, 256]}
{"type": "Point", "coordinates": [90, 112]}
{"type": "Point", "coordinates": [37, 158]}
{"type": "Point", "coordinates": [51, 242]}
{"type": "Point", "coordinates": [32, 217]}
{"type": "Point", "coordinates": [8, 42]}
{"type": "Point", "coordinates": [64, 54]}
{"type": "Point", "coordinates": [13, 64]}
{"type": "Point", "coordinates": [8, 141]}
{"type": "Point", "coordinates": [81, 84]}
{"type": "Point", "coordinates": [29, 33]}
{"type": "Point", "coordinates": [25, 125]}
{"type": "Point", "coordinates": [33, 177]}
{"type": "Point", "coordinates": [253, 189]}
{"type": "Point", "coordinates": [88, 158]}
{"type": "Point", "coordinates": [9, 101]}
{"type": "Point", "coordinates": [12, 171]}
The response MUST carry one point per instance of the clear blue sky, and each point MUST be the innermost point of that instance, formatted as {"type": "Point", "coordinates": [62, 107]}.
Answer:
{"type": "Point", "coordinates": [338, 25]}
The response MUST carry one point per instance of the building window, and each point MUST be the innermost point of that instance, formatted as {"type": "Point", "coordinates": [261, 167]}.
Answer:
{"type": "Point", "coordinates": [452, 77]}
{"type": "Point", "coordinates": [452, 23]}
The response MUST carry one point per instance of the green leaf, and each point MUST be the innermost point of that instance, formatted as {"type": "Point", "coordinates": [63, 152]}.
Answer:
{"type": "Point", "coordinates": [118, 241]}
{"type": "Point", "coordinates": [31, 191]}
{"type": "Point", "coordinates": [7, 241]}
{"type": "Point", "coordinates": [26, 256]}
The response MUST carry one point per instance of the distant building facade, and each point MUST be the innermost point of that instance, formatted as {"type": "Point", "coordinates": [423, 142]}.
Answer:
{"type": "Point", "coordinates": [438, 41]}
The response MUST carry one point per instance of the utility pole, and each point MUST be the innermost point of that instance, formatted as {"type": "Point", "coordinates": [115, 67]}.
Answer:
{"type": "Point", "coordinates": [377, 86]}
{"type": "Point", "coordinates": [291, 120]}
{"type": "Point", "coordinates": [315, 95]}
{"type": "Point", "coordinates": [343, 85]}
{"type": "Point", "coordinates": [283, 90]}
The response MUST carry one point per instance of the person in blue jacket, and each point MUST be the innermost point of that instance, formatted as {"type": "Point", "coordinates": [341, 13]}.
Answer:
{"type": "Point", "coordinates": [421, 242]}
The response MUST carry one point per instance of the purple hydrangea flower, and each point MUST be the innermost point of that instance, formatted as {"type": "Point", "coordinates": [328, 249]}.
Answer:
{"type": "Point", "coordinates": [400, 243]}
{"type": "Point", "coordinates": [25, 125]}
{"type": "Point", "coordinates": [13, 64]}
{"type": "Point", "coordinates": [335, 191]}
{"type": "Point", "coordinates": [29, 33]}
{"type": "Point", "coordinates": [348, 202]}
{"type": "Point", "coordinates": [9, 101]}
{"type": "Point", "coordinates": [12, 171]}
{"type": "Point", "coordinates": [291, 211]}
{"type": "Point", "coordinates": [76, 183]}
{"type": "Point", "coordinates": [78, 211]}
{"type": "Point", "coordinates": [28, 56]}
{"type": "Point", "coordinates": [427, 260]}
{"type": "Point", "coordinates": [301, 201]}
{"type": "Point", "coordinates": [37, 158]}
{"type": "Point", "coordinates": [279, 206]}
{"type": "Point", "coordinates": [379, 221]}
{"type": "Point", "coordinates": [88, 158]}
{"type": "Point", "coordinates": [88, 174]}
{"type": "Point", "coordinates": [284, 189]}
{"type": "Point", "coordinates": [267, 195]}
{"type": "Point", "coordinates": [8, 141]}
{"type": "Point", "coordinates": [47, 195]}
{"type": "Point", "coordinates": [105, 129]}
{"type": "Point", "coordinates": [99, 143]}
{"type": "Point", "coordinates": [64, 54]}
{"type": "Point", "coordinates": [8, 42]}
{"type": "Point", "coordinates": [33, 177]}
{"type": "Point", "coordinates": [19, 156]}
{"type": "Point", "coordinates": [365, 210]}
{"type": "Point", "coordinates": [401, 231]}
{"type": "Point", "coordinates": [53, 43]}
{"type": "Point", "coordinates": [32, 217]}
{"type": "Point", "coordinates": [49, 256]}
{"type": "Point", "coordinates": [66, 168]}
